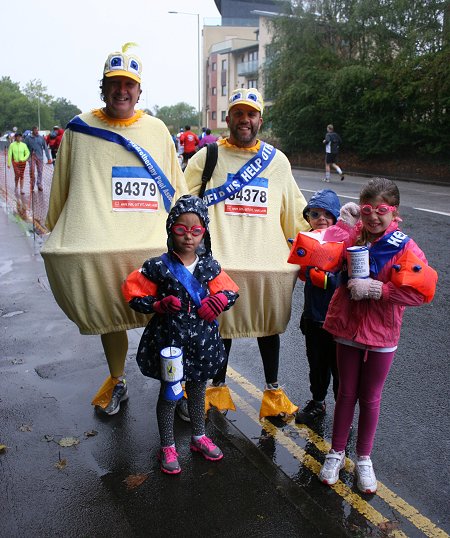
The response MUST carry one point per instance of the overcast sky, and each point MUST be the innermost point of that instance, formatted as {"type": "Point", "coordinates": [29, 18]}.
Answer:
{"type": "Point", "coordinates": [65, 45]}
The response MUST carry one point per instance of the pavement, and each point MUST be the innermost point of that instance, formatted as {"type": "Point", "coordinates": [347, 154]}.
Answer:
{"type": "Point", "coordinates": [67, 470]}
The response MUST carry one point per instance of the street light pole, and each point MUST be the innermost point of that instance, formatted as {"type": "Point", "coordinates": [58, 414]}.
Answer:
{"type": "Point", "coordinates": [199, 61]}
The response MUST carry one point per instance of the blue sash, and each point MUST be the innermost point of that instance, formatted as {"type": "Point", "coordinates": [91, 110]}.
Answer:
{"type": "Point", "coordinates": [244, 176]}
{"type": "Point", "coordinates": [186, 279]}
{"type": "Point", "coordinates": [384, 249]}
{"type": "Point", "coordinates": [165, 188]}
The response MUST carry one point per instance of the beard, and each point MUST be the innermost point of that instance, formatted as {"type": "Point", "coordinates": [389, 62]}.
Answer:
{"type": "Point", "coordinates": [244, 137]}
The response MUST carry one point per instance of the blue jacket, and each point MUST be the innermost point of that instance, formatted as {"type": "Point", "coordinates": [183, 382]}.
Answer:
{"type": "Point", "coordinates": [316, 300]}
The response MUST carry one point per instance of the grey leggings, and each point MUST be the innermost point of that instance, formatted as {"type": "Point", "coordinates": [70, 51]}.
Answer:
{"type": "Point", "coordinates": [165, 412]}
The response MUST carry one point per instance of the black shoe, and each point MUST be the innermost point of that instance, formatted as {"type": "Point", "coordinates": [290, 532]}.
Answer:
{"type": "Point", "coordinates": [182, 409]}
{"type": "Point", "coordinates": [311, 411]}
{"type": "Point", "coordinates": [342, 177]}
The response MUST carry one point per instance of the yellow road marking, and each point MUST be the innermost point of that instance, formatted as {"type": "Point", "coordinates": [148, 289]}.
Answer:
{"type": "Point", "coordinates": [394, 501]}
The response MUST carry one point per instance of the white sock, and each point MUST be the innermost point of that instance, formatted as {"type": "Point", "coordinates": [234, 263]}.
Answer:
{"type": "Point", "coordinates": [339, 171]}
{"type": "Point", "coordinates": [197, 437]}
{"type": "Point", "coordinates": [327, 175]}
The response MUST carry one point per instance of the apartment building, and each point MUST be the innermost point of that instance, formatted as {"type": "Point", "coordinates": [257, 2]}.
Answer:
{"type": "Point", "coordinates": [234, 54]}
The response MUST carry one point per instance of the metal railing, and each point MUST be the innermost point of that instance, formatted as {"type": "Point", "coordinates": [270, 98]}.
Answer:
{"type": "Point", "coordinates": [247, 68]}
{"type": "Point", "coordinates": [29, 207]}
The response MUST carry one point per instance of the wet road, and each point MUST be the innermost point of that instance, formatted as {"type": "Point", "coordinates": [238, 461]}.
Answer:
{"type": "Point", "coordinates": [267, 485]}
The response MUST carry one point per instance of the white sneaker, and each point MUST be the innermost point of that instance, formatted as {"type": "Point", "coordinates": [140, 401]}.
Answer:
{"type": "Point", "coordinates": [366, 479]}
{"type": "Point", "coordinates": [334, 462]}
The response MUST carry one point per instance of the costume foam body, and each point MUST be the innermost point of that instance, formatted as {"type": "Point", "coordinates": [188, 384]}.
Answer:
{"type": "Point", "coordinates": [253, 249]}
{"type": "Point", "coordinates": [92, 248]}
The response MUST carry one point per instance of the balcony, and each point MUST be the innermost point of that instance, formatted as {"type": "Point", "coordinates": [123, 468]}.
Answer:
{"type": "Point", "coordinates": [246, 69]}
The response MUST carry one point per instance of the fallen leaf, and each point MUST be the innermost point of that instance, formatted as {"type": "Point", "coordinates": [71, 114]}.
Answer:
{"type": "Point", "coordinates": [389, 526]}
{"type": "Point", "coordinates": [3, 449]}
{"type": "Point", "coordinates": [48, 438]}
{"type": "Point", "coordinates": [61, 464]}
{"type": "Point", "coordinates": [26, 428]}
{"type": "Point", "coordinates": [135, 480]}
{"type": "Point", "coordinates": [68, 441]}
{"type": "Point", "coordinates": [92, 433]}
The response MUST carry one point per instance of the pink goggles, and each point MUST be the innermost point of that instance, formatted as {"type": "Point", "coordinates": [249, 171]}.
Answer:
{"type": "Point", "coordinates": [181, 229]}
{"type": "Point", "coordinates": [382, 209]}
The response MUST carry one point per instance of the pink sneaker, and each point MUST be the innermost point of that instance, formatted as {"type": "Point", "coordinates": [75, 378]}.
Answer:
{"type": "Point", "coordinates": [168, 457]}
{"type": "Point", "coordinates": [207, 448]}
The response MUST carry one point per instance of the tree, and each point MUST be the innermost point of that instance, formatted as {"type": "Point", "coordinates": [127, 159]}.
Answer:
{"type": "Point", "coordinates": [177, 116]}
{"type": "Point", "coordinates": [25, 108]}
{"type": "Point", "coordinates": [63, 111]}
{"type": "Point", "coordinates": [36, 93]}
{"type": "Point", "coordinates": [15, 108]}
{"type": "Point", "coordinates": [374, 69]}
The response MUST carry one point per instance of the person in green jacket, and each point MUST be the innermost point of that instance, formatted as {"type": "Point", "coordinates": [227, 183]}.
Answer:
{"type": "Point", "coordinates": [18, 154]}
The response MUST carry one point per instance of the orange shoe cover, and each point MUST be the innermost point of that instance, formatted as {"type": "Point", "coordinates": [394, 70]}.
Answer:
{"type": "Point", "coordinates": [274, 403]}
{"type": "Point", "coordinates": [103, 396]}
{"type": "Point", "coordinates": [219, 397]}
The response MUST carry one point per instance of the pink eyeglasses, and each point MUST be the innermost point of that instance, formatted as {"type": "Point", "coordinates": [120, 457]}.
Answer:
{"type": "Point", "coordinates": [381, 209]}
{"type": "Point", "coordinates": [181, 229]}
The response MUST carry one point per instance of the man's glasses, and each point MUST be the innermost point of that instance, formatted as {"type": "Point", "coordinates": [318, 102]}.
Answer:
{"type": "Point", "coordinates": [317, 214]}
{"type": "Point", "coordinates": [382, 209]}
{"type": "Point", "coordinates": [181, 229]}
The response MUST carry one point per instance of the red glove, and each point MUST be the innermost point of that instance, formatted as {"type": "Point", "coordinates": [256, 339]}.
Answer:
{"type": "Point", "coordinates": [212, 306]}
{"type": "Point", "coordinates": [318, 278]}
{"type": "Point", "coordinates": [168, 305]}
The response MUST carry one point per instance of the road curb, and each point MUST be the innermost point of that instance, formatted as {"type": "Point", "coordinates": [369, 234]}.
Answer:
{"type": "Point", "coordinates": [285, 486]}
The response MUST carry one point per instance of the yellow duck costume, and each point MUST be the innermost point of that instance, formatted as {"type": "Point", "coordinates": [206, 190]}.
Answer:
{"type": "Point", "coordinates": [253, 250]}
{"type": "Point", "coordinates": [93, 246]}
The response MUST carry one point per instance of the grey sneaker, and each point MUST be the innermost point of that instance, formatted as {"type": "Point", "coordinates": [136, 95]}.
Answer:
{"type": "Point", "coordinates": [182, 409]}
{"type": "Point", "coordinates": [207, 448]}
{"type": "Point", "coordinates": [366, 479]}
{"type": "Point", "coordinates": [334, 462]}
{"type": "Point", "coordinates": [168, 458]}
{"type": "Point", "coordinates": [119, 395]}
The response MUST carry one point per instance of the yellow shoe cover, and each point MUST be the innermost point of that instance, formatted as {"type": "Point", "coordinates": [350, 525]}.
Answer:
{"type": "Point", "coordinates": [219, 397]}
{"type": "Point", "coordinates": [275, 402]}
{"type": "Point", "coordinates": [103, 396]}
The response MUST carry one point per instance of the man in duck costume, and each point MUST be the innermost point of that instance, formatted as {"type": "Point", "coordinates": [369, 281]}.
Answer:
{"type": "Point", "coordinates": [115, 179]}
{"type": "Point", "coordinates": [255, 206]}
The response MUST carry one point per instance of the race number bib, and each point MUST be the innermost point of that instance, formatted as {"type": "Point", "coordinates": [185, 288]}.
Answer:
{"type": "Point", "coordinates": [252, 200]}
{"type": "Point", "coordinates": [133, 189]}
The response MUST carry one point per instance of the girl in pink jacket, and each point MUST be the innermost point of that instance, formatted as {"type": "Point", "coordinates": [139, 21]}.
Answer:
{"type": "Point", "coordinates": [365, 316]}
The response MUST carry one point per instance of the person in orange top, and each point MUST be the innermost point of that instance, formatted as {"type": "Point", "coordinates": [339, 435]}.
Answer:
{"type": "Point", "coordinates": [190, 142]}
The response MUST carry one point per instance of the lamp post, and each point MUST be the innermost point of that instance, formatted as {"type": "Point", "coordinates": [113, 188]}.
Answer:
{"type": "Point", "coordinates": [199, 61]}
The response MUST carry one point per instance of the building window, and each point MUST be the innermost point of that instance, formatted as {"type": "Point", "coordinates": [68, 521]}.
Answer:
{"type": "Point", "coordinates": [213, 115]}
{"type": "Point", "coordinates": [224, 89]}
{"type": "Point", "coordinates": [224, 115]}
{"type": "Point", "coordinates": [252, 83]}
{"type": "Point", "coordinates": [214, 66]}
{"type": "Point", "coordinates": [252, 56]}
{"type": "Point", "coordinates": [224, 65]}
{"type": "Point", "coordinates": [213, 90]}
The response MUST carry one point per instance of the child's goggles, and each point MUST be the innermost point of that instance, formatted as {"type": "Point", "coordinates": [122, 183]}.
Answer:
{"type": "Point", "coordinates": [381, 209]}
{"type": "Point", "coordinates": [317, 214]}
{"type": "Point", "coordinates": [181, 229]}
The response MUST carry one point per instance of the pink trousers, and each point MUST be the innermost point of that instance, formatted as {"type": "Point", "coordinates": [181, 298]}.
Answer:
{"type": "Point", "coordinates": [361, 378]}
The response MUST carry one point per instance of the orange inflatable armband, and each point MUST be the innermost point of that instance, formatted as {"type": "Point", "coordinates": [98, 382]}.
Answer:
{"type": "Point", "coordinates": [413, 272]}
{"type": "Point", "coordinates": [137, 285]}
{"type": "Point", "coordinates": [309, 248]}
